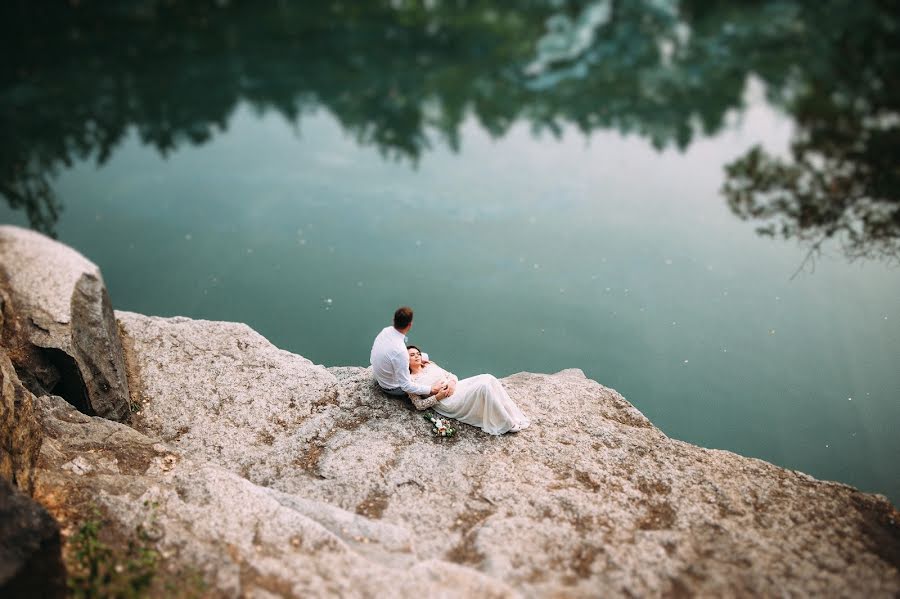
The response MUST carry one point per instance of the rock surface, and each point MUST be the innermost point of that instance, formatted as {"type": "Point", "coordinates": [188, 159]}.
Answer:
{"type": "Point", "coordinates": [58, 323]}
{"type": "Point", "coordinates": [271, 476]}
{"type": "Point", "coordinates": [591, 499]}
{"type": "Point", "coordinates": [20, 430]}
{"type": "Point", "coordinates": [246, 540]}
{"type": "Point", "coordinates": [233, 398]}
{"type": "Point", "coordinates": [30, 559]}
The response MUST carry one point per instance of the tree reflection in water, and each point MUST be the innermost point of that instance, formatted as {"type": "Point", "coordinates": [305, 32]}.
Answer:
{"type": "Point", "coordinates": [399, 75]}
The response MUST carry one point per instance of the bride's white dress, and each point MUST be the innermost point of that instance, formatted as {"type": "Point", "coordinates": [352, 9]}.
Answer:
{"type": "Point", "coordinates": [479, 400]}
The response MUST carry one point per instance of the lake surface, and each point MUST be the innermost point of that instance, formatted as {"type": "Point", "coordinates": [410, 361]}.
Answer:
{"type": "Point", "coordinates": [540, 191]}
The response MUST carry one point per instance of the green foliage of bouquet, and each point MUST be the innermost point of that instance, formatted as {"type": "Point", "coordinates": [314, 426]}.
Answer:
{"type": "Point", "coordinates": [439, 426]}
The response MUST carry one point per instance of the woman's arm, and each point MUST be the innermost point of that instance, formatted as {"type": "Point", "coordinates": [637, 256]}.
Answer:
{"type": "Point", "coordinates": [434, 373]}
{"type": "Point", "coordinates": [423, 403]}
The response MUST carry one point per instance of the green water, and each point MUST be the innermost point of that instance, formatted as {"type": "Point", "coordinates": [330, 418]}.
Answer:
{"type": "Point", "coordinates": [308, 173]}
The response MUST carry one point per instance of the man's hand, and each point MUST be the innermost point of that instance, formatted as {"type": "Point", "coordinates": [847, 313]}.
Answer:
{"type": "Point", "coordinates": [451, 387]}
{"type": "Point", "coordinates": [438, 387]}
{"type": "Point", "coordinates": [445, 389]}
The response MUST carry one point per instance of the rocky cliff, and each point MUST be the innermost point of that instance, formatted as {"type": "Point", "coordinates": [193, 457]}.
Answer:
{"type": "Point", "coordinates": [257, 473]}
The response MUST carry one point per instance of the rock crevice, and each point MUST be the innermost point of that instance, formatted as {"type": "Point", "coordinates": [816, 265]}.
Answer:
{"type": "Point", "coordinates": [59, 326]}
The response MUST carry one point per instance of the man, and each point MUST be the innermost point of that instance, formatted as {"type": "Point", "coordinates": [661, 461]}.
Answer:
{"type": "Point", "coordinates": [390, 360]}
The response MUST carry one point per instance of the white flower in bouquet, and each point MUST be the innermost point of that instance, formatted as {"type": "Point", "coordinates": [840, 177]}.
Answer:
{"type": "Point", "coordinates": [439, 426]}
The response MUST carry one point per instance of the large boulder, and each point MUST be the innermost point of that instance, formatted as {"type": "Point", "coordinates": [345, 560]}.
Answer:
{"type": "Point", "coordinates": [231, 397]}
{"type": "Point", "coordinates": [58, 324]}
{"type": "Point", "coordinates": [20, 430]}
{"type": "Point", "coordinates": [591, 499]}
{"type": "Point", "coordinates": [30, 555]}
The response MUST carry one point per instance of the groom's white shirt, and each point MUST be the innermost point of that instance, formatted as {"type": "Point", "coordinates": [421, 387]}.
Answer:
{"type": "Point", "coordinates": [390, 362]}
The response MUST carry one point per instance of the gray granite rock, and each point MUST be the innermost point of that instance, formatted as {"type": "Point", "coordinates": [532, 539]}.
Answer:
{"type": "Point", "coordinates": [30, 555]}
{"type": "Point", "coordinates": [20, 430]}
{"type": "Point", "coordinates": [231, 397]}
{"type": "Point", "coordinates": [591, 499]}
{"type": "Point", "coordinates": [59, 326]}
{"type": "Point", "coordinates": [272, 476]}
{"type": "Point", "coordinates": [244, 539]}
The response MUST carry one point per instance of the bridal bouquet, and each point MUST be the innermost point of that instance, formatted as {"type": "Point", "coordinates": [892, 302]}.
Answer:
{"type": "Point", "coordinates": [439, 426]}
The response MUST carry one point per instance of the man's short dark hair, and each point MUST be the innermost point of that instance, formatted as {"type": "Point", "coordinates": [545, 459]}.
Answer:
{"type": "Point", "coordinates": [402, 317]}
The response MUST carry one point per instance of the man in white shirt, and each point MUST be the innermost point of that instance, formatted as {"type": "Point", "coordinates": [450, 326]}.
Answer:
{"type": "Point", "coordinates": [390, 360]}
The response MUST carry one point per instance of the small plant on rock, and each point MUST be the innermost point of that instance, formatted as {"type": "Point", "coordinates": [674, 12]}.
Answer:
{"type": "Point", "coordinates": [96, 570]}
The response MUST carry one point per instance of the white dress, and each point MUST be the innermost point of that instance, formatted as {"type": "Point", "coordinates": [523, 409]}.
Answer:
{"type": "Point", "coordinates": [479, 400]}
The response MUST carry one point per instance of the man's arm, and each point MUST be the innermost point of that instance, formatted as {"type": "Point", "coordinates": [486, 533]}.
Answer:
{"type": "Point", "coordinates": [452, 379]}
{"type": "Point", "coordinates": [401, 367]}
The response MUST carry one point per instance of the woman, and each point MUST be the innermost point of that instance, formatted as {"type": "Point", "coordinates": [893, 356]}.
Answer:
{"type": "Point", "coordinates": [479, 400]}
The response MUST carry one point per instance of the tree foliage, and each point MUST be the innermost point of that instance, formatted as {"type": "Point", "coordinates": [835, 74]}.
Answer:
{"type": "Point", "coordinates": [76, 77]}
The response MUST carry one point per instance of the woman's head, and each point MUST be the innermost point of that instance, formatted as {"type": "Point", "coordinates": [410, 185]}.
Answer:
{"type": "Point", "coordinates": [415, 357]}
